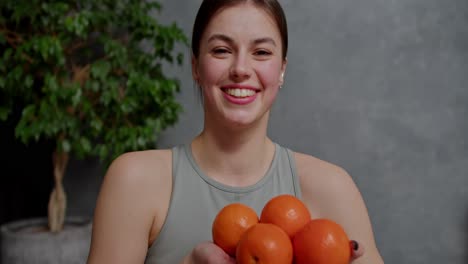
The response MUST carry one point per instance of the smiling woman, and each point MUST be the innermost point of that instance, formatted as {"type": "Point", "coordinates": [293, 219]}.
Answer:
{"type": "Point", "coordinates": [158, 206]}
{"type": "Point", "coordinates": [238, 56]}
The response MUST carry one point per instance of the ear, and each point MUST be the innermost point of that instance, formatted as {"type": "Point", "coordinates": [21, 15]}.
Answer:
{"type": "Point", "coordinates": [283, 70]}
{"type": "Point", "coordinates": [195, 74]}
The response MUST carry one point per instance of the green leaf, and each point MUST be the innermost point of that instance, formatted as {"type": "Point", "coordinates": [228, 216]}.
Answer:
{"type": "Point", "coordinates": [97, 125]}
{"type": "Point", "coordinates": [28, 112]}
{"type": "Point", "coordinates": [50, 83]}
{"type": "Point", "coordinates": [45, 7]}
{"type": "Point", "coordinates": [66, 146]}
{"type": "Point", "coordinates": [28, 81]}
{"type": "Point", "coordinates": [69, 23]}
{"type": "Point", "coordinates": [2, 39]}
{"type": "Point", "coordinates": [180, 58]}
{"type": "Point", "coordinates": [85, 144]}
{"type": "Point", "coordinates": [100, 69]}
{"type": "Point", "coordinates": [103, 152]}
{"type": "Point", "coordinates": [4, 113]}
{"type": "Point", "coordinates": [7, 54]}
{"type": "Point", "coordinates": [43, 47]}
{"type": "Point", "coordinates": [76, 99]}
{"type": "Point", "coordinates": [17, 73]}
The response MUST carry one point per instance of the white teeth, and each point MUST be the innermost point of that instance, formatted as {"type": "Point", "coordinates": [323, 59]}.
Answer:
{"type": "Point", "coordinates": [240, 92]}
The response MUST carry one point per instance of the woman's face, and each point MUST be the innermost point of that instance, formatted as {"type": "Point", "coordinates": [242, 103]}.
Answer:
{"type": "Point", "coordinates": [240, 65]}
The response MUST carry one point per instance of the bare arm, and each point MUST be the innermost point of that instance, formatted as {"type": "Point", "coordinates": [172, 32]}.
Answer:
{"type": "Point", "coordinates": [125, 211]}
{"type": "Point", "coordinates": [331, 193]}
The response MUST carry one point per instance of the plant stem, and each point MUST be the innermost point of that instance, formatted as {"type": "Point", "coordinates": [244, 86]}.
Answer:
{"type": "Point", "coordinates": [58, 200]}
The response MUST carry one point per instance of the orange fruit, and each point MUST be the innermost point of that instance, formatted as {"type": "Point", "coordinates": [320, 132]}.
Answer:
{"type": "Point", "coordinates": [230, 223]}
{"type": "Point", "coordinates": [287, 212]}
{"type": "Point", "coordinates": [321, 241]}
{"type": "Point", "coordinates": [264, 243]}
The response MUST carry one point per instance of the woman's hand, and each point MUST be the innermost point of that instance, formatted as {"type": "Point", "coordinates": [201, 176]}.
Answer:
{"type": "Point", "coordinates": [208, 253]}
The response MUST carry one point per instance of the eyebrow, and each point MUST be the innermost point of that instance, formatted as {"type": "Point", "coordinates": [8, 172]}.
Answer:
{"type": "Point", "coordinates": [265, 40]}
{"type": "Point", "coordinates": [229, 40]}
{"type": "Point", "coordinates": [221, 37]}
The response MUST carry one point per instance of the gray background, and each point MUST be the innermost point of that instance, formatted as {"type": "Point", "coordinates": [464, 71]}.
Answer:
{"type": "Point", "coordinates": [378, 88]}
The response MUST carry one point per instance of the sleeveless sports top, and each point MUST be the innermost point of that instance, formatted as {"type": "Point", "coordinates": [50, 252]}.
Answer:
{"type": "Point", "coordinates": [196, 199]}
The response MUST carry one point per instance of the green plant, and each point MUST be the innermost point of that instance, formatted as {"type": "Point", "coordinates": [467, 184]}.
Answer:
{"type": "Point", "coordinates": [90, 77]}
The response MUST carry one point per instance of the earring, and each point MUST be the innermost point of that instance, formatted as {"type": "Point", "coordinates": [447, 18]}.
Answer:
{"type": "Point", "coordinates": [282, 77]}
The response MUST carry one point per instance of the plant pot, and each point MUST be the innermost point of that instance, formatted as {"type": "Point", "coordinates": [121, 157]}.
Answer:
{"type": "Point", "coordinates": [30, 242]}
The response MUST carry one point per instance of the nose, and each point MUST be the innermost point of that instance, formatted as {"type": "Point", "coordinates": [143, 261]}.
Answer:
{"type": "Point", "coordinates": [240, 68]}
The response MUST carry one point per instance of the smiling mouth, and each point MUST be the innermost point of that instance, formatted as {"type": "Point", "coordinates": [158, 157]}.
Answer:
{"type": "Point", "coordinates": [239, 92]}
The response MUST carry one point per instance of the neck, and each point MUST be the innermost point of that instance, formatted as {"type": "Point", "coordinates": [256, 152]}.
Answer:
{"type": "Point", "coordinates": [236, 157]}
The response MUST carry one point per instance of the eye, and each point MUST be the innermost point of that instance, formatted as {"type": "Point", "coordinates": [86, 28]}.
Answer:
{"type": "Point", "coordinates": [262, 53]}
{"type": "Point", "coordinates": [220, 51]}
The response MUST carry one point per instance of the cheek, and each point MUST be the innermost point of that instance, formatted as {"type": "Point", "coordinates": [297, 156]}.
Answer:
{"type": "Point", "coordinates": [269, 74]}
{"type": "Point", "coordinates": [211, 71]}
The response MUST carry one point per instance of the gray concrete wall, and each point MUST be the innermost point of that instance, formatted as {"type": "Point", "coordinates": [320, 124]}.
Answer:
{"type": "Point", "coordinates": [381, 89]}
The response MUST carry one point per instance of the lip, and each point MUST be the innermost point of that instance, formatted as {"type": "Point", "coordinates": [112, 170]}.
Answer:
{"type": "Point", "coordinates": [237, 100]}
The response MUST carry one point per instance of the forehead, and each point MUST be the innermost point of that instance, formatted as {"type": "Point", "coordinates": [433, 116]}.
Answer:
{"type": "Point", "coordinates": [243, 20]}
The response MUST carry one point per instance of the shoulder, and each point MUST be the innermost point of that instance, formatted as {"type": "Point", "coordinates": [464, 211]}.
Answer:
{"type": "Point", "coordinates": [139, 169]}
{"type": "Point", "coordinates": [131, 206]}
{"type": "Point", "coordinates": [139, 159]}
{"type": "Point", "coordinates": [323, 183]}
{"type": "Point", "coordinates": [316, 174]}
{"type": "Point", "coordinates": [310, 166]}
{"type": "Point", "coordinates": [140, 175]}
{"type": "Point", "coordinates": [140, 165]}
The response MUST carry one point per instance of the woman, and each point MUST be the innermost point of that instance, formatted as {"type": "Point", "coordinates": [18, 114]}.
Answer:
{"type": "Point", "coordinates": [157, 206]}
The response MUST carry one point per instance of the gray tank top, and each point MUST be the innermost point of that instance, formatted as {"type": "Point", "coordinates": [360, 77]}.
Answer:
{"type": "Point", "coordinates": [196, 199]}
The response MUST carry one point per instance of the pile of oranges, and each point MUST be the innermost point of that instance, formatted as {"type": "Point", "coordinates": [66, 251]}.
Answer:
{"type": "Point", "coordinates": [284, 233]}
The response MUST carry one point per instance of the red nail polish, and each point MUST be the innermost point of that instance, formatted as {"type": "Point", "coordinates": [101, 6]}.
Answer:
{"type": "Point", "coordinates": [354, 245]}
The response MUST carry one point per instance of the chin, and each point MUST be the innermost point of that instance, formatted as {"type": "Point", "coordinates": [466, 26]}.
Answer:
{"type": "Point", "coordinates": [243, 121]}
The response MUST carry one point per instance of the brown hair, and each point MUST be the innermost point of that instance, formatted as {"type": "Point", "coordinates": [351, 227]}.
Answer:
{"type": "Point", "coordinates": [209, 8]}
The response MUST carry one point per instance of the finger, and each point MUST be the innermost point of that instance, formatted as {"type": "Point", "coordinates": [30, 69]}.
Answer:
{"type": "Point", "coordinates": [221, 258]}
{"type": "Point", "coordinates": [357, 250]}
{"type": "Point", "coordinates": [226, 259]}
{"type": "Point", "coordinates": [230, 260]}
{"type": "Point", "coordinates": [214, 254]}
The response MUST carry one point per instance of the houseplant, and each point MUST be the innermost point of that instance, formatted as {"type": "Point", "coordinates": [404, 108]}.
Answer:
{"type": "Point", "coordinates": [89, 76]}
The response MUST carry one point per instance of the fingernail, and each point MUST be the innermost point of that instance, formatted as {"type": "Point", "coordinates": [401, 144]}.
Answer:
{"type": "Point", "coordinates": [354, 245]}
